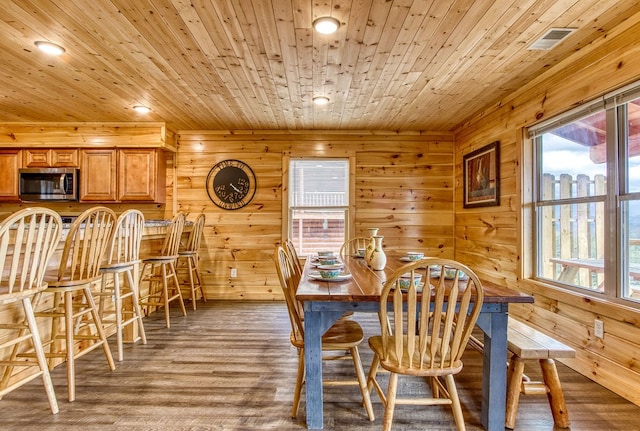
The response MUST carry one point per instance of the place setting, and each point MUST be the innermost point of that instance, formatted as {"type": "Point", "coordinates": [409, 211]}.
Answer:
{"type": "Point", "coordinates": [328, 267]}
{"type": "Point", "coordinates": [325, 258]}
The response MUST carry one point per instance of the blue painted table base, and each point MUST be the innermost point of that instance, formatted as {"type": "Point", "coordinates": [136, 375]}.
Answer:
{"type": "Point", "coordinates": [320, 315]}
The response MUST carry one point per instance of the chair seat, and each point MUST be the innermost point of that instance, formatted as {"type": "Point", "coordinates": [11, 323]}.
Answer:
{"type": "Point", "coordinates": [119, 266]}
{"type": "Point", "coordinates": [187, 253]}
{"type": "Point", "coordinates": [344, 334]}
{"type": "Point", "coordinates": [375, 343]}
{"type": "Point", "coordinates": [63, 285]}
{"type": "Point", "coordinates": [159, 259]}
{"type": "Point", "coordinates": [8, 298]}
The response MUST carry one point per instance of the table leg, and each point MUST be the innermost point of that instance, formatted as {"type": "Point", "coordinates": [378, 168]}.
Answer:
{"type": "Point", "coordinates": [315, 324]}
{"type": "Point", "coordinates": [494, 368]}
{"type": "Point", "coordinates": [313, 365]}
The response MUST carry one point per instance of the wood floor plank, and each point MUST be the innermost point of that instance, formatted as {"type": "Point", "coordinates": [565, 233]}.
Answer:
{"type": "Point", "coordinates": [230, 366]}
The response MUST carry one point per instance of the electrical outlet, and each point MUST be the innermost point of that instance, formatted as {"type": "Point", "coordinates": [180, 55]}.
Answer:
{"type": "Point", "coordinates": [598, 328]}
{"type": "Point", "coordinates": [234, 272]}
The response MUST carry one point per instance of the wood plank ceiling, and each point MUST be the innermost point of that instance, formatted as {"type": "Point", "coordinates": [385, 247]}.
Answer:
{"type": "Point", "coordinates": [257, 64]}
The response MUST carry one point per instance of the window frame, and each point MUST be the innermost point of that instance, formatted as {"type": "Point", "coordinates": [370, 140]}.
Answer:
{"type": "Point", "coordinates": [614, 105]}
{"type": "Point", "coordinates": [287, 209]}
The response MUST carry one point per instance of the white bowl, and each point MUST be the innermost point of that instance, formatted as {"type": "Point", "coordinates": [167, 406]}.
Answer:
{"type": "Point", "coordinates": [415, 255]}
{"type": "Point", "coordinates": [329, 271]}
{"type": "Point", "coordinates": [405, 279]}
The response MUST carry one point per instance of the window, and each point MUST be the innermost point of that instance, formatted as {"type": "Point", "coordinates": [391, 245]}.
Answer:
{"type": "Point", "coordinates": [587, 204]}
{"type": "Point", "coordinates": [318, 204]}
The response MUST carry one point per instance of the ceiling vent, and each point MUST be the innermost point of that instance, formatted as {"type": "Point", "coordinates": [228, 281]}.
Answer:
{"type": "Point", "coordinates": [551, 38]}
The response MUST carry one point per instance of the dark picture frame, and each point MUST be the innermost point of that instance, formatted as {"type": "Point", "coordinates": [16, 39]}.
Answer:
{"type": "Point", "coordinates": [481, 177]}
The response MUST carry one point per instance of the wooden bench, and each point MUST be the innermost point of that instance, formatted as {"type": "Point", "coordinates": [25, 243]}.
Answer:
{"type": "Point", "coordinates": [525, 342]}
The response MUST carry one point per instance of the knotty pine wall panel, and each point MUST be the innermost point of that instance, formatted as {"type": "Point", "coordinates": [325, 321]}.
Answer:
{"type": "Point", "coordinates": [494, 241]}
{"type": "Point", "coordinates": [403, 185]}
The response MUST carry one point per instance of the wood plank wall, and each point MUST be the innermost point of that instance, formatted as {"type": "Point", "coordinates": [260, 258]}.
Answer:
{"type": "Point", "coordinates": [494, 240]}
{"type": "Point", "coordinates": [403, 185]}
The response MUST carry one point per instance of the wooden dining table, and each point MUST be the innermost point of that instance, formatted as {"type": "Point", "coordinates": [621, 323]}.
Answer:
{"type": "Point", "coordinates": [325, 301]}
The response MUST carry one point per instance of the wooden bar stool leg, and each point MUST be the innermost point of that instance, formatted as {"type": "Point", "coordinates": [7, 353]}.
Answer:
{"type": "Point", "coordinates": [165, 290]}
{"type": "Point", "coordinates": [42, 360]}
{"type": "Point", "coordinates": [118, 305]}
{"type": "Point", "coordinates": [191, 282]}
{"type": "Point", "coordinates": [102, 294]}
{"type": "Point", "coordinates": [555, 394]}
{"type": "Point", "coordinates": [135, 298]}
{"type": "Point", "coordinates": [68, 327]}
{"type": "Point", "coordinates": [99, 330]}
{"type": "Point", "coordinates": [198, 278]}
{"type": "Point", "coordinates": [516, 370]}
{"type": "Point", "coordinates": [176, 283]}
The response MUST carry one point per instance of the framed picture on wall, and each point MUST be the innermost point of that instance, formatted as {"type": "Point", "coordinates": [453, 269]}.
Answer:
{"type": "Point", "coordinates": [481, 177]}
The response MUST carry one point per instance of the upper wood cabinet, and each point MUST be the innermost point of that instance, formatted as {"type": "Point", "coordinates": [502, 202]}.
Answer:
{"type": "Point", "coordinates": [9, 166]}
{"type": "Point", "coordinates": [122, 175]}
{"type": "Point", "coordinates": [141, 175]}
{"type": "Point", "coordinates": [50, 158]}
{"type": "Point", "coordinates": [98, 175]}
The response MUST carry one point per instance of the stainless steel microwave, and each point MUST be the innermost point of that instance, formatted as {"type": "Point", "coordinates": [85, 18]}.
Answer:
{"type": "Point", "coordinates": [48, 184]}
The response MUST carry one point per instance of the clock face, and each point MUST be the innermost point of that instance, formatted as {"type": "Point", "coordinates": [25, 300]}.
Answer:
{"type": "Point", "coordinates": [231, 184]}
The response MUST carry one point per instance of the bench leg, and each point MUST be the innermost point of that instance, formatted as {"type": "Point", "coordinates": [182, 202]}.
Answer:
{"type": "Point", "coordinates": [514, 383]}
{"type": "Point", "coordinates": [555, 394]}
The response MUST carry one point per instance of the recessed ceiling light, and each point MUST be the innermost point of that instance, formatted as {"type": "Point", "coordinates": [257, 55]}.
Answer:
{"type": "Point", "coordinates": [49, 48]}
{"type": "Point", "coordinates": [326, 25]}
{"type": "Point", "coordinates": [141, 109]}
{"type": "Point", "coordinates": [321, 100]}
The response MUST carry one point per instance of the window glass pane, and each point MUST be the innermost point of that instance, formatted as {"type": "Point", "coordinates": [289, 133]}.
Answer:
{"type": "Point", "coordinates": [631, 249]}
{"type": "Point", "coordinates": [318, 204]}
{"type": "Point", "coordinates": [319, 183]}
{"type": "Point", "coordinates": [315, 230]}
{"type": "Point", "coordinates": [573, 159]}
{"type": "Point", "coordinates": [571, 244]}
{"type": "Point", "coordinates": [633, 149]}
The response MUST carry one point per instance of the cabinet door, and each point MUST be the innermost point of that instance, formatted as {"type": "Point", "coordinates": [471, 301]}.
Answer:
{"type": "Point", "coordinates": [64, 158]}
{"type": "Point", "coordinates": [138, 175]}
{"type": "Point", "coordinates": [50, 158]}
{"type": "Point", "coordinates": [98, 175]}
{"type": "Point", "coordinates": [9, 166]}
{"type": "Point", "coordinates": [37, 158]}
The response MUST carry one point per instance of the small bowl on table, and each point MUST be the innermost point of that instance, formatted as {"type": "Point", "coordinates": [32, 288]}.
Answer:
{"type": "Point", "coordinates": [360, 252]}
{"type": "Point", "coordinates": [415, 255]}
{"type": "Point", "coordinates": [322, 254]}
{"type": "Point", "coordinates": [405, 280]}
{"type": "Point", "coordinates": [328, 260]}
{"type": "Point", "coordinates": [330, 271]}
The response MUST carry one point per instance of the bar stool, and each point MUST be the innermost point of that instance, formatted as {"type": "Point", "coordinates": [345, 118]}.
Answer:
{"type": "Point", "coordinates": [123, 257]}
{"type": "Point", "coordinates": [73, 302]}
{"type": "Point", "coordinates": [36, 233]}
{"type": "Point", "coordinates": [191, 258]}
{"type": "Point", "coordinates": [158, 270]}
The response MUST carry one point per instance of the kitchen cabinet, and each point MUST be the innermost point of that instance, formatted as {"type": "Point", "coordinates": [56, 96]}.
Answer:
{"type": "Point", "coordinates": [141, 175]}
{"type": "Point", "coordinates": [122, 175]}
{"type": "Point", "coordinates": [98, 175]}
{"type": "Point", "coordinates": [50, 158]}
{"type": "Point", "coordinates": [9, 166]}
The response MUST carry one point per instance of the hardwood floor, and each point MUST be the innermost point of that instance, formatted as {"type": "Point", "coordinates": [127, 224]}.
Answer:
{"type": "Point", "coordinates": [230, 366]}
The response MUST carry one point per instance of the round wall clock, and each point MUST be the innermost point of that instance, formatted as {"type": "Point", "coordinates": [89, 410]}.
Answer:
{"type": "Point", "coordinates": [231, 184]}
